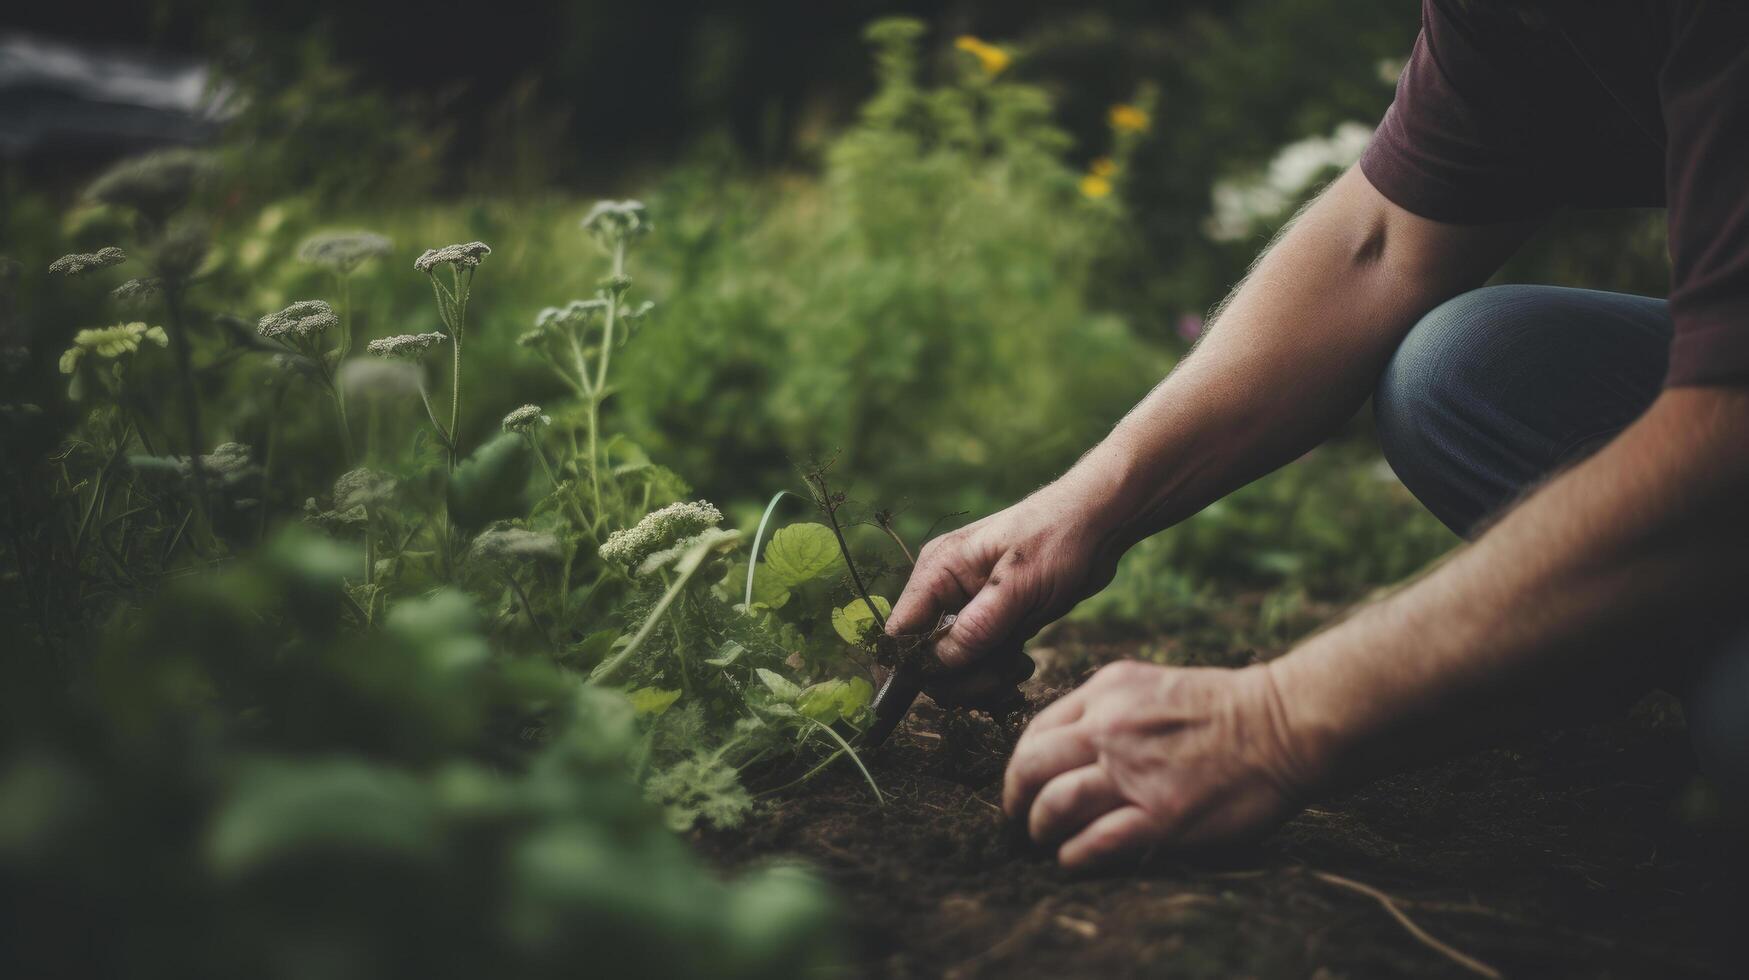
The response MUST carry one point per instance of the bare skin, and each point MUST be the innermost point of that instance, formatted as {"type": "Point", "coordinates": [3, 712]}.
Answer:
{"type": "Point", "coordinates": [1630, 555]}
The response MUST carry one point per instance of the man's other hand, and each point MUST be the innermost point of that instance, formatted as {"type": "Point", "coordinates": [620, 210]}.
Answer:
{"type": "Point", "coordinates": [1143, 755]}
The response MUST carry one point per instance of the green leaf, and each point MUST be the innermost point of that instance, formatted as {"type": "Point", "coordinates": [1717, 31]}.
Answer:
{"type": "Point", "coordinates": [595, 647]}
{"type": "Point", "coordinates": [487, 486]}
{"type": "Point", "coordinates": [727, 654]}
{"type": "Point", "coordinates": [652, 700]}
{"type": "Point", "coordinates": [781, 687]}
{"type": "Point", "coordinates": [828, 701]}
{"type": "Point", "coordinates": [768, 591]}
{"type": "Point", "coordinates": [854, 620]}
{"type": "Point", "coordinates": [802, 552]}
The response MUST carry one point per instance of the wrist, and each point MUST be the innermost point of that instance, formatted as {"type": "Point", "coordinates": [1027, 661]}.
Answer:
{"type": "Point", "coordinates": [1101, 489]}
{"type": "Point", "coordinates": [1317, 718]}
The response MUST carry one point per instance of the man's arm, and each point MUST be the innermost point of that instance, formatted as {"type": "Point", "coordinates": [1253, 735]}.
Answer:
{"type": "Point", "coordinates": [1620, 569]}
{"type": "Point", "coordinates": [1633, 558]}
{"type": "Point", "coordinates": [1293, 355]}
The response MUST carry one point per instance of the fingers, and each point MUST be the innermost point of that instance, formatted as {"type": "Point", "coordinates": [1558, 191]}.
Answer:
{"type": "Point", "coordinates": [1065, 710]}
{"type": "Point", "coordinates": [1070, 802]}
{"type": "Point", "coordinates": [984, 623]}
{"type": "Point", "coordinates": [935, 587]}
{"type": "Point", "coordinates": [1120, 832]}
{"type": "Point", "coordinates": [1040, 758]}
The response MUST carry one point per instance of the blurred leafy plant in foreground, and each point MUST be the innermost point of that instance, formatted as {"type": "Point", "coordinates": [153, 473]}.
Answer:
{"type": "Point", "coordinates": [246, 785]}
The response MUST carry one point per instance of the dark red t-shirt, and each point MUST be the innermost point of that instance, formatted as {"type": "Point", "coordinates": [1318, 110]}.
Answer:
{"type": "Point", "coordinates": [1501, 115]}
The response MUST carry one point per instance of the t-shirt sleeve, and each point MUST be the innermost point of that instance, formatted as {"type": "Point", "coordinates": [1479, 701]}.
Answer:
{"type": "Point", "coordinates": [1704, 88]}
{"type": "Point", "coordinates": [1461, 142]}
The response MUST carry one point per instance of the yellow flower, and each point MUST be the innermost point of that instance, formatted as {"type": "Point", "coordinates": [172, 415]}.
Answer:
{"type": "Point", "coordinates": [993, 59]}
{"type": "Point", "coordinates": [1102, 167]}
{"type": "Point", "coordinates": [1095, 186]}
{"type": "Point", "coordinates": [1128, 119]}
{"type": "Point", "coordinates": [123, 338]}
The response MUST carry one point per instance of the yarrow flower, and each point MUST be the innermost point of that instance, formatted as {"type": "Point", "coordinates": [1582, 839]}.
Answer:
{"type": "Point", "coordinates": [708, 538]}
{"type": "Point", "coordinates": [406, 346]}
{"type": "Point", "coordinates": [658, 530]}
{"type": "Point", "coordinates": [525, 419]}
{"type": "Point", "coordinates": [342, 252]}
{"type": "Point", "coordinates": [991, 58]}
{"type": "Point", "coordinates": [136, 292]}
{"type": "Point", "coordinates": [575, 312]}
{"type": "Point", "coordinates": [517, 544]}
{"type": "Point", "coordinates": [609, 220]}
{"type": "Point", "coordinates": [1128, 119]}
{"type": "Point", "coordinates": [303, 319]}
{"type": "Point", "coordinates": [79, 263]}
{"type": "Point", "coordinates": [155, 184]}
{"type": "Point", "coordinates": [123, 338]}
{"type": "Point", "coordinates": [464, 256]}
{"type": "Point", "coordinates": [229, 462]}
{"type": "Point", "coordinates": [363, 488]}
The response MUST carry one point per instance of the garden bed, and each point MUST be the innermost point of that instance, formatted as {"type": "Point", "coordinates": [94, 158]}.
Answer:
{"type": "Point", "coordinates": [1561, 855]}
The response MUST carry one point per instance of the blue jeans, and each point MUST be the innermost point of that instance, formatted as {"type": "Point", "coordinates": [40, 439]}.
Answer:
{"type": "Point", "coordinates": [1499, 387]}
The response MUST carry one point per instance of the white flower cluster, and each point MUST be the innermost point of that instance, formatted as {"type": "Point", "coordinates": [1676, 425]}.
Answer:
{"type": "Point", "coordinates": [343, 251]}
{"type": "Point", "coordinates": [658, 530]}
{"type": "Point", "coordinates": [363, 488]}
{"type": "Point", "coordinates": [303, 319]}
{"type": "Point", "coordinates": [708, 538]}
{"type": "Point", "coordinates": [137, 292]}
{"type": "Point", "coordinates": [1246, 206]}
{"type": "Point", "coordinates": [466, 256]}
{"type": "Point", "coordinates": [609, 220]}
{"type": "Point", "coordinates": [155, 184]}
{"type": "Point", "coordinates": [517, 544]}
{"type": "Point", "coordinates": [80, 263]}
{"type": "Point", "coordinates": [575, 312]}
{"type": "Point", "coordinates": [525, 418]}
{"type": "Point", "coordinates": [406, 346]}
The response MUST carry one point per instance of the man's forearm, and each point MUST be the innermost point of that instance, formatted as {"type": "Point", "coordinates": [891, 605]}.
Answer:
{"type": "Point", "coordinates": [1634, 554]}
{"type": "Point", "coordinates": [1294, 354]}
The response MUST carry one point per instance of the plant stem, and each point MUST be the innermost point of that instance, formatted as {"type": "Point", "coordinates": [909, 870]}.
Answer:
{"type": "Point", "coordinates": [688, 565]}
{"type": "Point", "coordinates": [455, 382]}
{"type": "Point", "coordinates": [528, 610]}
{"type": "Point", "coordinates": [831, 508]}
{"type": "Point", "coordinates": [436, 425]}
{"type": "Point", "coordinates": [190, 402]}
{"type": "Point", "coordinates": [345, 426]}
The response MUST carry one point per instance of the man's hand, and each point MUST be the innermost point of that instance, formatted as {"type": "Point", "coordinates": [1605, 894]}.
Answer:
{"type": "Point", "coordinates": [1142, 755]}
{"type": "Point", "coordinates": [1008, 575]}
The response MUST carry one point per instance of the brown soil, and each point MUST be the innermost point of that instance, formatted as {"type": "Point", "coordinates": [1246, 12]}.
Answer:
{"type": "Point", "coordinates": [1573, 854]}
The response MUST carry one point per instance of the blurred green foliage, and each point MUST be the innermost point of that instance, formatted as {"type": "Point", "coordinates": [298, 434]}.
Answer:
{"type": "Point", "coordinates": [244, 786]}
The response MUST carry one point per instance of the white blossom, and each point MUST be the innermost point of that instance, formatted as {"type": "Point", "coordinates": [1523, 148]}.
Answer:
{"type": "Point", "coordinates": [79, 263]}
{"type": "Point", "coordinates": [466, 255]}
{"type": "Point", "coordinates": [517, 544]}
{"type": "Point", "coordinates": [608, 220]}
{"type": "Point", "coordinates": [525, 418]}
{"type": "Point", "coordinates": [137, 292]}
{"type": "Point", "coordinates": [658, 530]}
{"type": "Point", "coordinates": [406, 346]}
{"type": "Point", "coordinates": [363, 488]}
{"type": "Point", "coordinates": [303, 319]}
{"type": "Point", "coordinates": [343, 251]}
{"type": "Point", "coordinates": [667, 557]}
{"type": "Point", "coordinates": [1245, 206]}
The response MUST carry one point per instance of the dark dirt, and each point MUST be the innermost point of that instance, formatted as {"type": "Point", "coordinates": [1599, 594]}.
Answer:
{"type": "Point", "coordinates": [1571, 854]}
